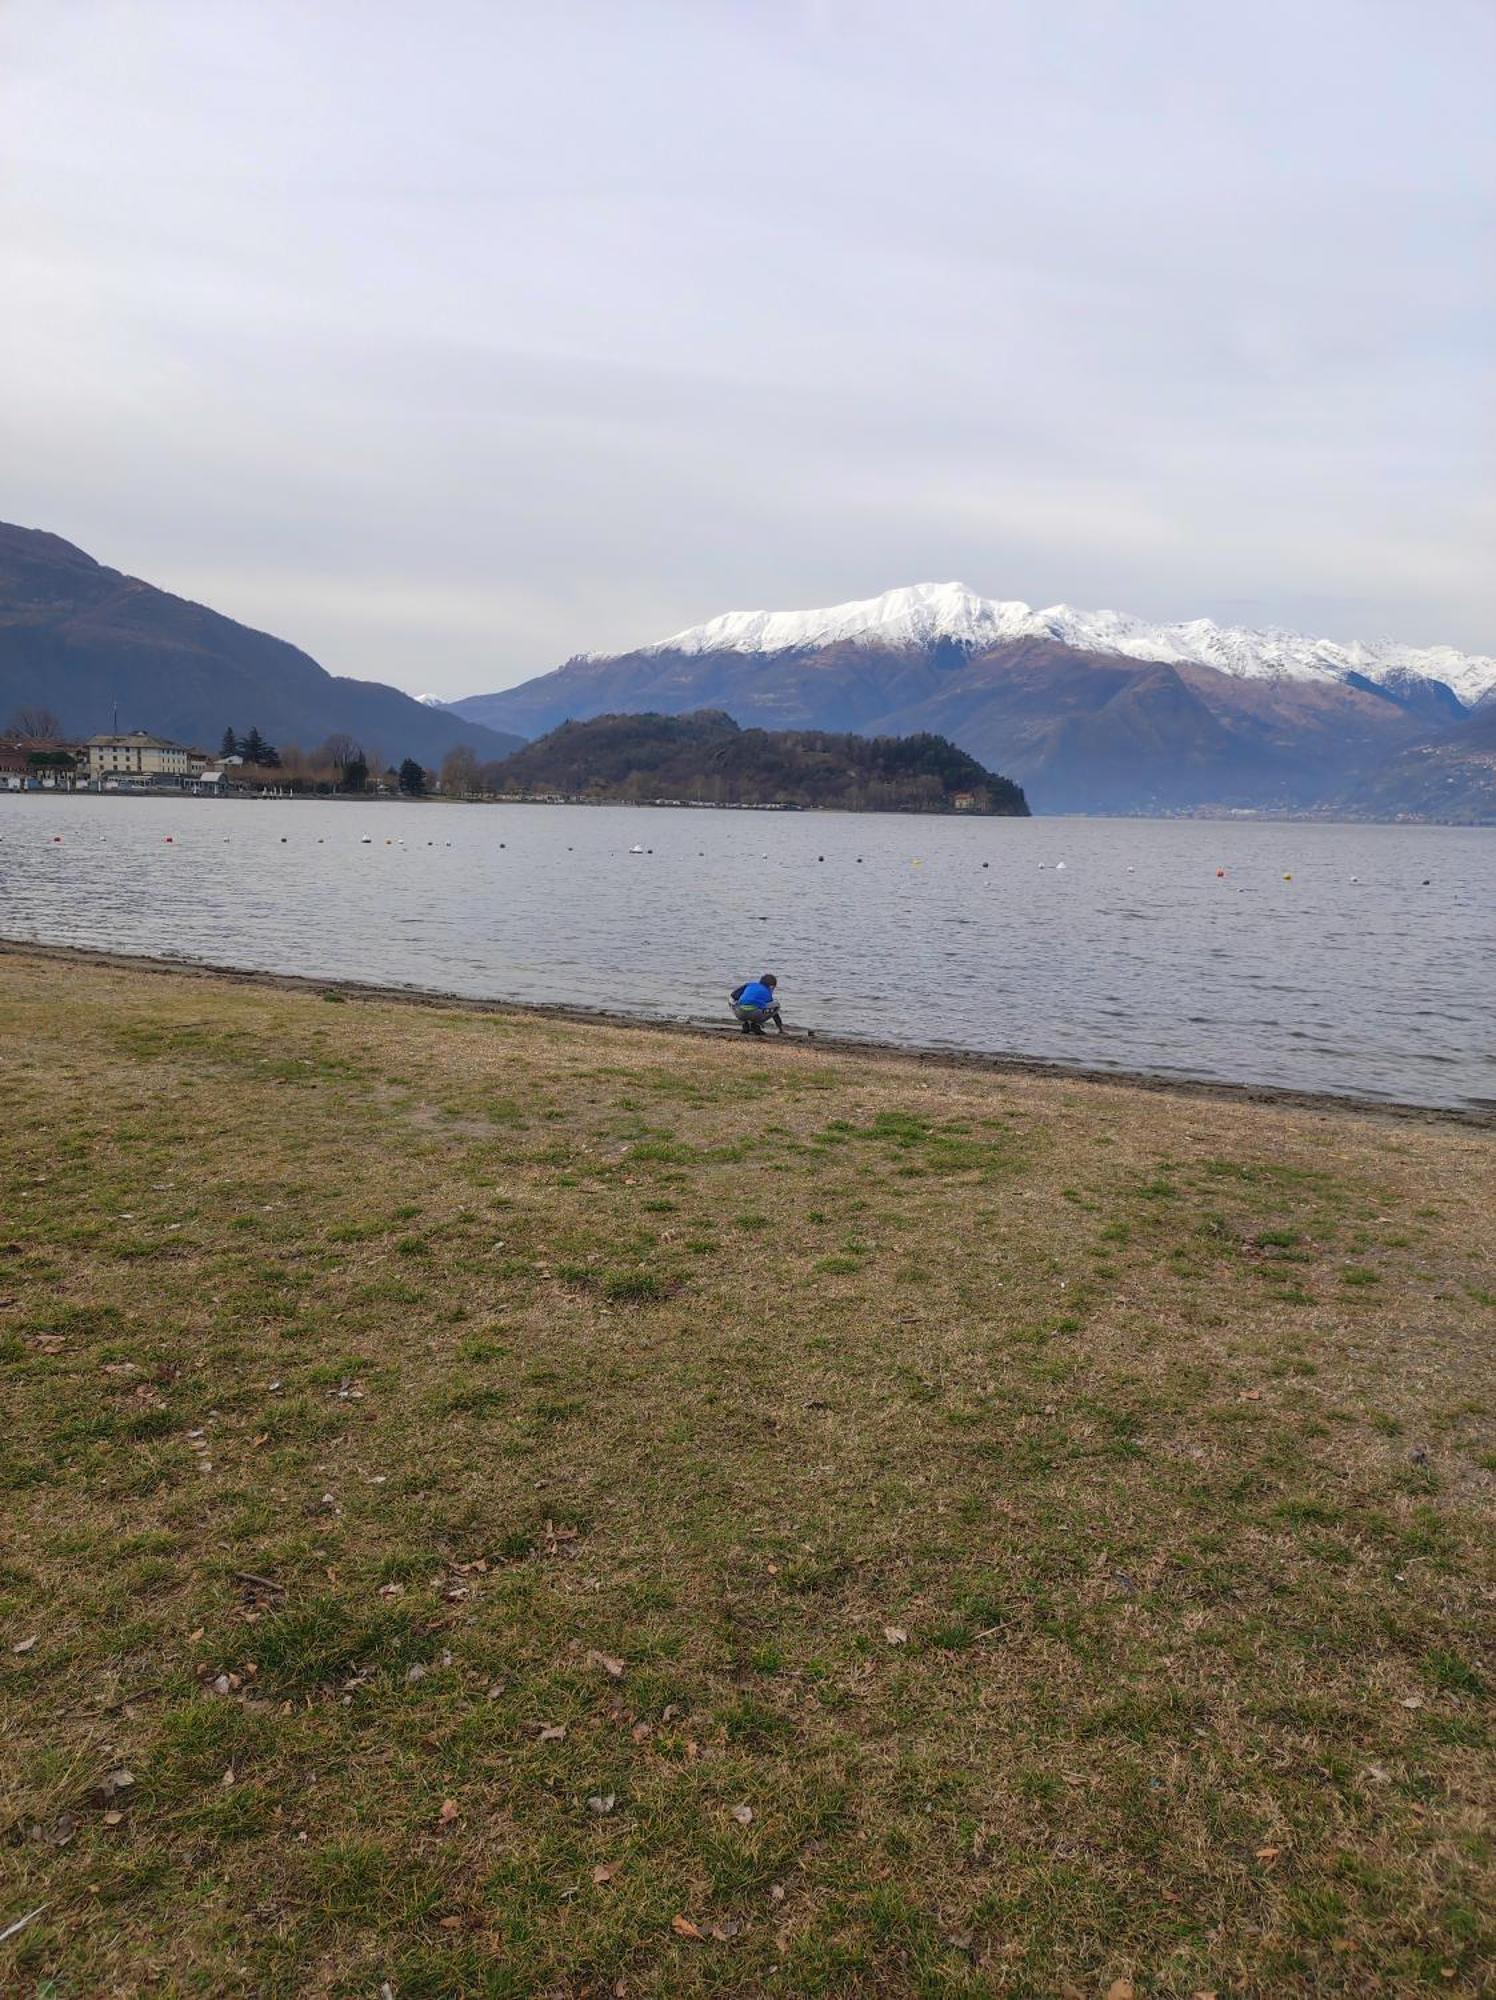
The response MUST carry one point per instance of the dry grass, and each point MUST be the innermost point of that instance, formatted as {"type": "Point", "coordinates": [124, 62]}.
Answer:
{"type": "Point", "coordinates": [1058, 1514]}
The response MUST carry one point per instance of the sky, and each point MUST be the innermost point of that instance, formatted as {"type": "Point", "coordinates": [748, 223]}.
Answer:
{"type": "Point", "coordinates": [450, 340]}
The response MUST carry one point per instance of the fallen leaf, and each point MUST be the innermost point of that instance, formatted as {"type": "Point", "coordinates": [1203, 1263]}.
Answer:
{"type": "Point", "coordinates": [448, 1812]}
{"type": "Point", "coordinates": [604, 1872]}
{"type": "Point", "coordinates": [776, 1892]}
{"type": "Point", "coordinates": [614, 1669]}
{"type": "Point", "coordinates": [642, 1731]}
{"type": "Point", "coordinates": [1377, 1775]}
{"type": "Point", "coordinates": [743, 1815]}
{"type": "Point", "coordinates": [603, 1802]}
{"type": "Point", "coordinates": [896, 1635]}
{"type": "Point", "coordinates": [552, 1732]}
{"type": "Point", "coordinates": [1268, 1854]}
{"type": "Point", "coordinates": [1413, 1701]}
{"type": "Point", "coordinates": [192, 1637]}
{"type": "Point", "coordinates": [450, 1923]}
{"type": "Point", "coordinates": [722, 1932]}
{"type": "Point", "coordinates": [496, 1690]}
{"type": "Point", "coordinates": [415, 1673]}
{"type": "Point", "coordinates": [1121, 1989]}
{"type": "Point", "coordinates": [228, 1776]}
{"type": "Point", "coordinates": [683, 1927]}
{"type": "Point", "coordinates": [25, 1645]}
{"type": "Point", "coordinates": [1252, 1396]}
{"type": "Point", "coordinates": [113, 1818]}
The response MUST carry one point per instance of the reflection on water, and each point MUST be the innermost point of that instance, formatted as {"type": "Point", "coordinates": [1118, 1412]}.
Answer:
{"type": "Point", "coordinates": [1109, 943]}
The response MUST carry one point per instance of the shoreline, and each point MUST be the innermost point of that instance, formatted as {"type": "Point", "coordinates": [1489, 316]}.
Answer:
{"type": "Point", "coordinates": [1470, 1117]}
{"type": "Point", "coordinates": [1202, 815]}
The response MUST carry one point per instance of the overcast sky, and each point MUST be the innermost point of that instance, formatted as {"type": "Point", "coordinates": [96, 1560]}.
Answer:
{"type": "Point", "coordinates": [448, 339]}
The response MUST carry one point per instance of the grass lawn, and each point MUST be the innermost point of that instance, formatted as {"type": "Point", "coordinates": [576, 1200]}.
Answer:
{"type": "Point", "coordinates": [501, 1507]}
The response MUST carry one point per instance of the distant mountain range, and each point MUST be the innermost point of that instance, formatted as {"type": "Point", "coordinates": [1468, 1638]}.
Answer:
{"type": "Point", "coordinates": [1089, 711]}
{"type": "Point", "coordinates": [85, 641]}
{"type": "Point", "coordinates": [706, 757]}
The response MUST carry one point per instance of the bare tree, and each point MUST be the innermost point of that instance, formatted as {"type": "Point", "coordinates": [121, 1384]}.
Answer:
{"type": "Point", "coordinates": [459, 772]}
{"type": "Point", "coordinates": [33, 725]}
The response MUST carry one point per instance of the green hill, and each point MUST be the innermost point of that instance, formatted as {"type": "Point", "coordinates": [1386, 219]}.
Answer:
{"type": "Point", "coordinates": [706, 757]}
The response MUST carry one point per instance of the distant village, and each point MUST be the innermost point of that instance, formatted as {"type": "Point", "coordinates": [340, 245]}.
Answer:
{"type": "Point", "coordinates": [36, 757]}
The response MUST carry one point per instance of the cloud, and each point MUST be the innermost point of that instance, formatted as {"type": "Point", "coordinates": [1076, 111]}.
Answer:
{"type": "Point", "coordinates": [446, 351]}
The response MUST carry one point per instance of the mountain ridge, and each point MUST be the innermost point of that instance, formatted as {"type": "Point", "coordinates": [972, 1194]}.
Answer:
{"type": "Point", "coordinates": [1277, 733]}
{"type": "Point", "coordinates": [925, 613]}
{"type": "Point", "coordinates": [81, 639]}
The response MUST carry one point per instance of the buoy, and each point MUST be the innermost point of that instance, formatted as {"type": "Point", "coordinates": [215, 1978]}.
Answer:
{"type": "Point", "coordinates": [1220, 874]}
{"type": "Point", "coordinates": [1059, 865]}
{"type": "Point", "coordinates": [636, 850]}
{"type": "Point", "coordinates": [1287, 878]}
{"type": "Point", "coordinates": [283, 840]}
{"type": "Point", "coordinates": [168, 840]}
{"type": "Point", "coordinates": [1130, 869]}
{"type": "Point", "coordinates": [367, 840]}
{"type": "Point", "coordinates": [986, 864]}
{"type": "Point", "coordinates": [1426, 880]}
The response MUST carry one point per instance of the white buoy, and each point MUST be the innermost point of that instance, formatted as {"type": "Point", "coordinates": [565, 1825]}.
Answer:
{"type": "Point", "coordinates": [1059, 865]}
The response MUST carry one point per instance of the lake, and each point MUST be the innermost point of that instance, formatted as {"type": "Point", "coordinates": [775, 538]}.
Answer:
{"type": "Point", "coordinates": [1110, 944]}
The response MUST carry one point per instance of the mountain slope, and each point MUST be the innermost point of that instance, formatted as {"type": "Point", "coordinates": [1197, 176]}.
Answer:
{"type": "Point", "coordinates": [921, 614]}
{"type": "Point", "coordinates": [1450, 775]}
{"type": "Point", "coordinates": [81, 639]}
{"type": "Point", "coordinates": [1074, 704]}
{"type": "Point", "coordinates": [705, 756]}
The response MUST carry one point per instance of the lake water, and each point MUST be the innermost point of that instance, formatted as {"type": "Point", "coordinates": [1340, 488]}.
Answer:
{"type": "Point", "coordinates": [1103, 943]}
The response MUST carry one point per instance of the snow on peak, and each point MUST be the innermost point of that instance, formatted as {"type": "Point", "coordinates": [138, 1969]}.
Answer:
{"type": "Point", "coordinates": [432, 700]}
{"type": "Point", "coordinates": [917, 615]}
{"type": "Point", "coordinates": [922, 613]}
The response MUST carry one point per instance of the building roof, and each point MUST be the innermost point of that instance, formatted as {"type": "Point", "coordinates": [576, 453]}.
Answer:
{"type": "Point", "coordinates": [135, 739]}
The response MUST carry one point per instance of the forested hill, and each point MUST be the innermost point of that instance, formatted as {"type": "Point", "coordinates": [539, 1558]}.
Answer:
{"type": "Point", "coordinates": [706, 756]}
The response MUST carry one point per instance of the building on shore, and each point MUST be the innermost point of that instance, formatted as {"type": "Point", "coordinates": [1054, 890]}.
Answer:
{"type": "Point", "coordinates": [138, 757]}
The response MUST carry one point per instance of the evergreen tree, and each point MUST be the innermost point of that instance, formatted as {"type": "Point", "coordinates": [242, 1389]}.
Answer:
{"type": "Point", "coordinates": [252, 748]}
{"type": "Point", "coordinates": [412, 779]}
{"type": "Point", "coordinates": [229, 747]}
{"type": "Point", "coordinates": [355, 772]}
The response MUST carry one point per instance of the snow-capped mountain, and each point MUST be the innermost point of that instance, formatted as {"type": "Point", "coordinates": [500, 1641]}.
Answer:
{"type": "Point", "coordinates": [432, 700]}
{"type": "Point", "coordinates": [1089, 710]}
{"type": "Point", "coordinates": [924, 614]}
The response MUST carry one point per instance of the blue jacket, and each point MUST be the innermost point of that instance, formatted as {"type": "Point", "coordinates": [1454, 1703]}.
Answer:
{"type": "Point", "coordinates": [754, 994]}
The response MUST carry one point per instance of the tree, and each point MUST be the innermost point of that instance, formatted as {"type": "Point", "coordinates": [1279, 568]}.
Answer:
{"type": "Point", "coordinates": [229, 747]}
{"type": "Point", "coordinates": [33, 725]}
{"type": "Point", "coordinates": [460, 772]}
{"type": "Point", "coordinates": [355, 772]}
{"type": "Point", "coordinates": [252, 748]}
{"type": "Point", "coordinates": [412, 779]}
{"type": "Point", "coordinates": [340, 749]}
